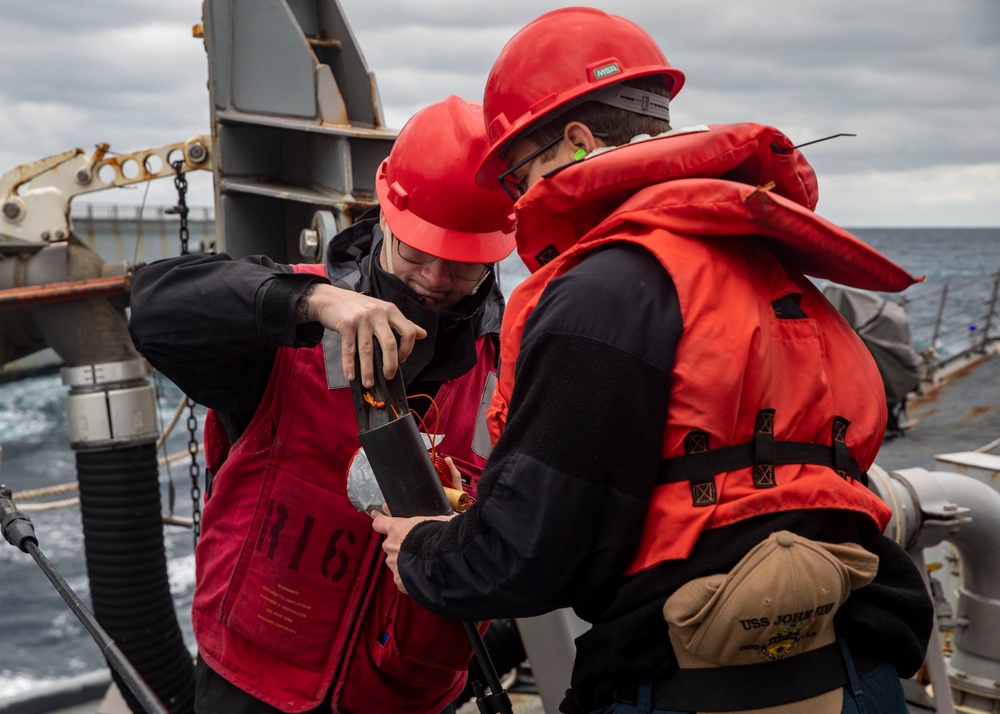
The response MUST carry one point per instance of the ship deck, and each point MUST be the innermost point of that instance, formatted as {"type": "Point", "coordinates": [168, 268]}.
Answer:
{"type": "Point", "coordinates": [959, 413]}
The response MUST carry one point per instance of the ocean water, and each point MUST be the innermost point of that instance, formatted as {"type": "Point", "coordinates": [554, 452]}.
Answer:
{"type": "Point", "coordinates": [960, 267]}
{"type": "Point", "coordinates": [40, 637]}
{"type": "Point", "coordinates": [963, 260]}
{"type": "Point", "coordinates": [41, 640]}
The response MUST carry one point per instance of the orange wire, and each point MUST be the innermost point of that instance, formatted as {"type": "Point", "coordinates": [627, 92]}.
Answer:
{"type": "Point", "coordinates": [423, 424]}
{"type": "Point", "coordinates": [371, 400]}
{"type": "Point", "coordinates": [443, 472]}
{"type": "Point", "coordinates": [440, 465]}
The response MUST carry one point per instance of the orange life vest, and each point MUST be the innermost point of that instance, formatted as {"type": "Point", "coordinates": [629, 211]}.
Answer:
{"type": "Point", "coordinates": [765, 414]}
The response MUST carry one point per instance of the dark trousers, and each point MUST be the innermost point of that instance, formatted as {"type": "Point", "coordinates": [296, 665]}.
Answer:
{"type": "Point", "coordinates": [214, 694]}
{"type": "Point", "coordinates": [878, 691]}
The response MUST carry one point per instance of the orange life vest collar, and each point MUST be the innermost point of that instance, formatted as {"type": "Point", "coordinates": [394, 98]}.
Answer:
{"type": "Point", "coordinates": [730, 180]}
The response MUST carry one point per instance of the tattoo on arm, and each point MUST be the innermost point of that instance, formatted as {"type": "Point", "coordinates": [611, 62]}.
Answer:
{"type": "Point", "coordinates": [302, 306]}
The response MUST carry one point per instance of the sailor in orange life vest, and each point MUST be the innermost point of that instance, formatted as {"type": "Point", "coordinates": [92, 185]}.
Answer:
{"type": "Point", "coordinates": [680, 411]}
{"type": "Point", "coordinates": [292, 610]}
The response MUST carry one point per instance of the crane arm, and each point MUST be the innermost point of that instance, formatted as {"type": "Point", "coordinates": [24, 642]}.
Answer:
{"type": "Point", "coordinates": [35, 197]}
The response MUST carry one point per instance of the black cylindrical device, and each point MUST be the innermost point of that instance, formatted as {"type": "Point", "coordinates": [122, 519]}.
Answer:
{"type": "Point", "coordinates": [409, 483]}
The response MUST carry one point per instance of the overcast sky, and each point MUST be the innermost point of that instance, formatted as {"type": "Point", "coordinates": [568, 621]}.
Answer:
{"type": "Point", "coordinates": [917, 80]}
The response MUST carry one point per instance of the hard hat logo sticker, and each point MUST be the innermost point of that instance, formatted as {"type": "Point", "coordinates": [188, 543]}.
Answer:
{"type": "Point", "coordinates": [607, 70]}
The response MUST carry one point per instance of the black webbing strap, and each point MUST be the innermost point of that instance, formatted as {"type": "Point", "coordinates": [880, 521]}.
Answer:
{"type": "Point", "coordinates": [697, 470]}
{"type": "Point", "coordinates": [841, 457]}
{"type": "Point", "coordinates": [754, 686]}
{"type": "Point", "coordinates": [764, 450]}
{"type": "Point", "coordinates": [700, 463]}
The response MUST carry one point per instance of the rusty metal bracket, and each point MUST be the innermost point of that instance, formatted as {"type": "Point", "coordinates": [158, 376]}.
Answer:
{"type": "Point", "coordinates": [35, 197]}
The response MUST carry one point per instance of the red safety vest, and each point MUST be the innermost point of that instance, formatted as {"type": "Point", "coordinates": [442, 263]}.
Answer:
{"type": "Point", "coordinates": [292, 596]}
{"type": "Point", "coordinates": [765, 414]}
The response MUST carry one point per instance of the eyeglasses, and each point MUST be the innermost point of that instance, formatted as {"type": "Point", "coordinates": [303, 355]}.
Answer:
{"type": "Point", "coordinates": [463, 271]}
{"type": "Point", "coordinates": [515, 187]}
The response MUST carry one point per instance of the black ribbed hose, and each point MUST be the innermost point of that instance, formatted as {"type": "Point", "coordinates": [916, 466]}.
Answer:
{"type": "Point", "coordinates": [127, 566]}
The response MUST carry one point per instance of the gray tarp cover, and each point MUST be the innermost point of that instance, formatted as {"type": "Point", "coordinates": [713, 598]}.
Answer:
{"type": "Point", "coordinates": [883, 327]}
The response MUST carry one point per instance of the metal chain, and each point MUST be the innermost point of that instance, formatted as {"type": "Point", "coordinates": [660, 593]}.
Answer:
{"type": "Point", "coordinates": [192, 425]}
{"type": "Point", "coordinates": [180, 182]}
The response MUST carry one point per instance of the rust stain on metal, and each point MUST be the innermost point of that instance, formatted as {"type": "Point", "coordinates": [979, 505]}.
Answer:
{"type": "Point", "coordinates": [65, 292]}
{"type": "Point", "coordinates": [976, 411]}
{"type": "Point", "coordinates": [336, 44]}
{"type": "Point", "coordinates": [100, 152]}
{"type": "Point", "coordinates": [141, 161]}
{"type": "Point", "coordinates": [375, 100]}
{"type": "Point", "coordinates": [32, 169]}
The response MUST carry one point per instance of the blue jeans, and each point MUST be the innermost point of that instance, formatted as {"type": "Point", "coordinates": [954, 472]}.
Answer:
{"type": "Point", "coordinates": [879, 691]}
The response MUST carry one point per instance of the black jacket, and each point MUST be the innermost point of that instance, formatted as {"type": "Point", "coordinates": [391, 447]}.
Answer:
{"type": "Point", "coordinates": [212, 324]}
{"type": "Point", "coordinates": [564, 494]}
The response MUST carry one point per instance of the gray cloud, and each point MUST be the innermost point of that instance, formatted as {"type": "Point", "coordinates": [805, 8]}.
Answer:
{"type": "Point", "coordinates": [917, 80]}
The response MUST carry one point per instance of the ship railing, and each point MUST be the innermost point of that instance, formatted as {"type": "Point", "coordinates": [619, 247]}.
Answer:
{"type": "Point", "coordinates": [130, 232]}
{"type": "Point", "coordinates": [954, 321]}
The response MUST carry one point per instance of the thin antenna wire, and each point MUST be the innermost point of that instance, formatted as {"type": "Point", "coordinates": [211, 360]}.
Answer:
{"type": "Point", "coordinates": [784, 150]}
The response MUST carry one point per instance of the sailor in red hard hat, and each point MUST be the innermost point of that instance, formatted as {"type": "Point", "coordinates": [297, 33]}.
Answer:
{"type": "Point", "coordinates": [292, 610]}
{"type": "Point", "coordinates": [673, 391]}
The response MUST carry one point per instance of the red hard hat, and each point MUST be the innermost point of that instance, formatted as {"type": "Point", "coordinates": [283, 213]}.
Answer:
{"type": "Point", "coordinates": [427, 188]}
{"type": "Point", "coordinates": [556, 59]}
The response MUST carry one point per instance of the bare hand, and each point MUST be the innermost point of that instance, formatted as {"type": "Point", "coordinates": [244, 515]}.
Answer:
{"type": "Point", "coordinates": [395, 530]}
{"type": "Point", "coordinates": [360, 319]}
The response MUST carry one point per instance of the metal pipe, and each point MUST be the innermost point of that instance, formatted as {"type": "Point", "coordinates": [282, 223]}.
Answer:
{"type": "Point", "coordinates": [934, 506]}
{"type": "Point", "coordinates": [70, 290]}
